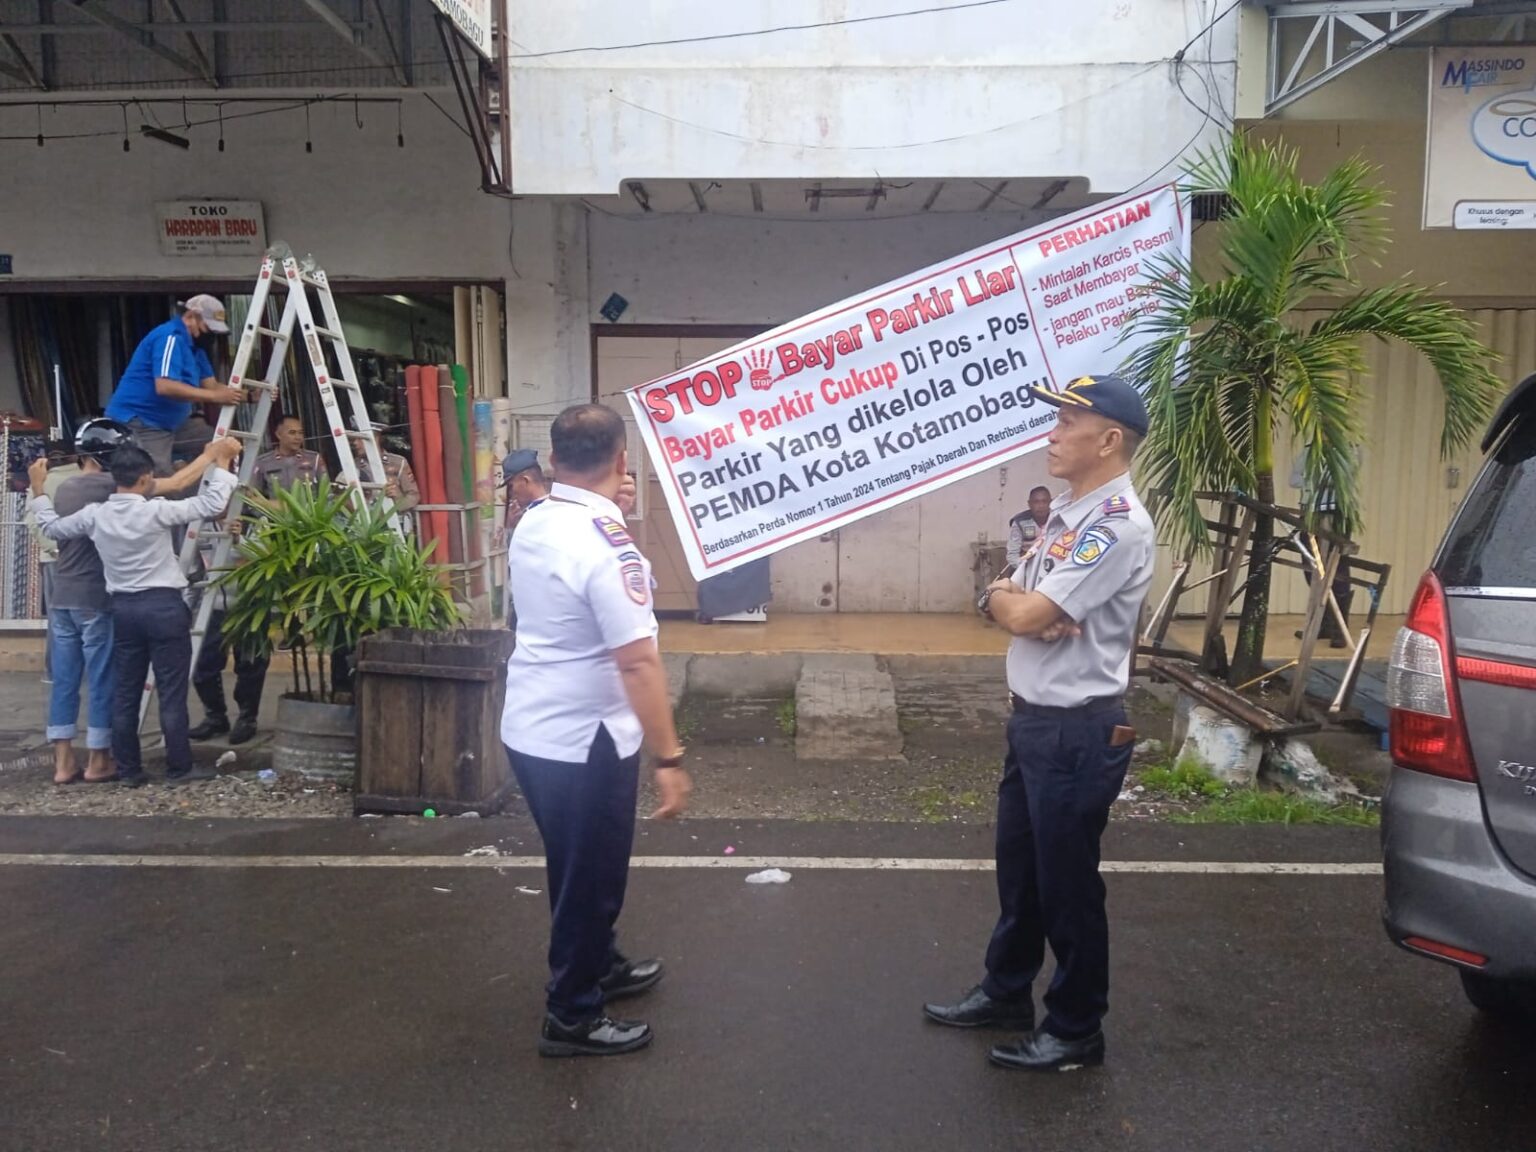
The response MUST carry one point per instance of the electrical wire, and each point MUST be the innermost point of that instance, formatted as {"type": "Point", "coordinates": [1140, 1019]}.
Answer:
{"type": "Point", "coordinates": [1062, 107]}
{"type": "Point", "coordinates": [762, 31]}
{"type": "Point", "coordinates": [280, 106]}
{"type": "Point", "coordinates": [430, 61]}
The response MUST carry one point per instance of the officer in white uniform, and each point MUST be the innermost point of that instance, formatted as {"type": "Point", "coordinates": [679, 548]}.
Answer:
{"type": "Point", "coordinates": [585, 684]}
{"type": "Point", "coordinates": [1073, 607]}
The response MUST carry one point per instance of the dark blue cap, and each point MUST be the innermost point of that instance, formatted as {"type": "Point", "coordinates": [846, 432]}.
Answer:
{"type": "Point", "coordinates": [1109, 396]}
{"type": "Point", "coordinates": [518, 460]}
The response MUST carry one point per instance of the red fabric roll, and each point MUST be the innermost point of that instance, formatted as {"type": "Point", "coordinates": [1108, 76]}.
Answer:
{"type": "Point", "coordinates": [432, 481]}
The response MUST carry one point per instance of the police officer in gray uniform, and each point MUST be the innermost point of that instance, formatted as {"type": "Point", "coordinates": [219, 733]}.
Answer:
{"type": "Point", "coordinates": [1073, 607]}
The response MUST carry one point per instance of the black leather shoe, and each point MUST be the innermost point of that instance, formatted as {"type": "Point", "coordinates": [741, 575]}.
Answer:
{"type": "Point", "coordinates": [630, 978]}
{"type": "Point", "coordinates": [978, 1010]}
{"type": "Point", "coordinates": [133, 779]}
{"type": "Point", "coordinates": [1042, 1052]}
{"type": "Point", "coordinates": [244, 729]}
{"type": "Point", "coordinates": [210, 727]}
{"type": "Point", "coordinates": [600, 1037]}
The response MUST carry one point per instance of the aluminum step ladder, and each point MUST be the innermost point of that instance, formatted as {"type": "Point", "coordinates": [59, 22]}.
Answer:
{"type": "Point", "coordinates": [281, 270]}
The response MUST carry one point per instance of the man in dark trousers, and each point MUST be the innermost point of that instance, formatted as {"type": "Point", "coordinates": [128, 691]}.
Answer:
{"type": "Point", "coordinates": [1073, 606]}
{"type": "Point", "coordinates": [587, 638]}
{"type": "Point", "coordinates": [288, 464]}
{"type": "Point", "coordinates": [152, 624]}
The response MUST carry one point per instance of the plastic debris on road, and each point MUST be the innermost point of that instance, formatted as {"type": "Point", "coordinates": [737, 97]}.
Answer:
{"type": "Point", "coordinates": [225, 760]}
{"type": "Point", "coordinates": [530, 891]}
{"type": "Point", "coordinates": [769, 876]}
{"type": "Point", "coordinates": [484, 850]}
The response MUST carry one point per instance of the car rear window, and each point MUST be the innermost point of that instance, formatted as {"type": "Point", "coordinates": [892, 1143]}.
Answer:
{"type": "Point", "coordinates": [1492, 544]}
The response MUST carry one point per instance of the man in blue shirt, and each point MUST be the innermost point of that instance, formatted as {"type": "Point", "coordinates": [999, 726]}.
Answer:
{"type": "Point", "coordinates": [167, 375]}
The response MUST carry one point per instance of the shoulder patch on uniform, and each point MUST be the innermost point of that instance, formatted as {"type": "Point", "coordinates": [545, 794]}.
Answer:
{"type": "Point", "coordinates": [612, 531]}
{"type": "Point", "coordinates": [636, 586]}
{"type": "Point", "coordinates": [1062, 545]}
{"type": "Point", "coordinates": [1117, 506]}
{"type": "Point", "coordinates": [1091, 548]}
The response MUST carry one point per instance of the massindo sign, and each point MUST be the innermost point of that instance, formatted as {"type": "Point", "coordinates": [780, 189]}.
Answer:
{"type": "Point", "coordinates": [1480, 166]}
{"type": "Point", "coordinates": [901, 390]}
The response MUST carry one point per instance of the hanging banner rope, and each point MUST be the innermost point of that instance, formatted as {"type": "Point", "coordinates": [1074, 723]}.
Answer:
{"type": "Point", "coordinates": [901, 390]}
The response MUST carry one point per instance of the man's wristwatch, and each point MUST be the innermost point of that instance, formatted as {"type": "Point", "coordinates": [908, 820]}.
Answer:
{"type": "Point", "coordinates": [673, 761]}
{"type": "Point", "coordinates": [984, 603]}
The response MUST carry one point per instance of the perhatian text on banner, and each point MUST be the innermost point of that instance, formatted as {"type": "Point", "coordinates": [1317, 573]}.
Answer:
{"type": "Point", "coordinates": [902, 389]}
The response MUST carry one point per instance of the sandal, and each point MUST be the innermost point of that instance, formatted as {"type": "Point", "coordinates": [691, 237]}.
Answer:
{"type": "Point", "coordinates": [75, 779]}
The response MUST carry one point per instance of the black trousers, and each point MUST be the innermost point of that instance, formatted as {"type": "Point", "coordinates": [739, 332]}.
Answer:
{"type": "Point", "coordinates": [1060, 777]}
{"type": "Point", "coordinates": [152, 629]}
{"type": "Point", "coordinates": [586, 815]}
{"type": "Point", "coordinates": [208, 673]}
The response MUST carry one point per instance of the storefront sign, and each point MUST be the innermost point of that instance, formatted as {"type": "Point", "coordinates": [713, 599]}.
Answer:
{"type": "Point", "coordinates": [1480, 163]}
{"type": "Point", "coordinates": [900, 390]}
{"type": "Point", "coordinates": [472, 18]}
{"type": "Point", "coordinates": [211, 228]}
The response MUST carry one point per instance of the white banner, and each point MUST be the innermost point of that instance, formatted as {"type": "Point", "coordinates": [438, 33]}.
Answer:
{"type": "Point", "coordinates": [211, 228]}
{"type": "Point", "coordinates": [1480, 161]}
{"type": "Point", "coordinates": [471, 17]}
{"type": "Point", "coordinates": [901, 390]}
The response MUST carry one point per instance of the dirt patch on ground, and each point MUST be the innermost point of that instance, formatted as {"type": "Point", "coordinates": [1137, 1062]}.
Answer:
{"type": "Point", "coordinates": [27, 788]}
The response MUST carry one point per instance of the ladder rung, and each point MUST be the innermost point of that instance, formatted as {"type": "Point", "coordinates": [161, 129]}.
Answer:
{"type": "Point", "coordinates": [272, 332]}
{"type": "Point", "coordinates": [313, 281]}
{"type": "Point", "coordinates": [242, 434]}
{"type": "Point", "coordinates": [329, 333]}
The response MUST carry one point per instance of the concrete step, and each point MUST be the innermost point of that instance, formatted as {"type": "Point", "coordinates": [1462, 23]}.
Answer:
{"type": "Point", "coordinates": [845, 709]}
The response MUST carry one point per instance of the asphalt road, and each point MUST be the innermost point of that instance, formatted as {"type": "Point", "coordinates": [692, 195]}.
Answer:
{"type": "Point", "coordinates": [224, 1007]}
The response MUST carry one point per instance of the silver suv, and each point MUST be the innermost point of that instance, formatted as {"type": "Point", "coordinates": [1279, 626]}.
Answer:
{"type": "Point", "coordinates": [1459, 818]}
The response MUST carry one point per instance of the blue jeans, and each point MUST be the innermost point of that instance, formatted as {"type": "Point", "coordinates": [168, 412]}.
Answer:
{"type": "Point", "coordinates": [81, 644]}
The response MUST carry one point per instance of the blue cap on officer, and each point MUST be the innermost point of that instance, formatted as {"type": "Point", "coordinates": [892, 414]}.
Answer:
{"type": "Point", "coordinates": [1109, 396]}
{"type": "Point", "coordinates": [518, 460]}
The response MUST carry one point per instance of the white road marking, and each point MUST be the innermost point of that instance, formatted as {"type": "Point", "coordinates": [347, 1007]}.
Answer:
{"type": "Point", "coordinates": [733, 863]}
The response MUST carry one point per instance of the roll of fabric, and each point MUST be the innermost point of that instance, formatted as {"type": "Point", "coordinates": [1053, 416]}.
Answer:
{"type": "Point", "coordinates": [485, 480]}
{"type": "Point", "coordinates": [453, 462]}
{"type": "Point", "coordinates": [432, 482]}
{"type": "Point", "coordinates": [466, 435]}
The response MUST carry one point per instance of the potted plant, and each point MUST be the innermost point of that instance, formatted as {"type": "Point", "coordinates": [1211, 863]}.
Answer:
{"type": "Point", "coordinates": [315, 573]}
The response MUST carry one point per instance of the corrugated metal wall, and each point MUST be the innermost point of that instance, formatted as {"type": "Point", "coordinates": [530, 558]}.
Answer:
{"type": "Point", "coordinates": [1408, 491]}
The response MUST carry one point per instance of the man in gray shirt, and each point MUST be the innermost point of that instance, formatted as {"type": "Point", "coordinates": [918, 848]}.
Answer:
{"type": "Point", "coordinates": [151, 621]}
{"type": "Point", "coordinates": [1073, 607]}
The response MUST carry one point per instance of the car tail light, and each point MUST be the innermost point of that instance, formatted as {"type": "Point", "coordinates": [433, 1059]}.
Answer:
{"type": "Point", "coordinates": [1446, 951]}
{"type": "Point", "coordinates": [1426, 729]}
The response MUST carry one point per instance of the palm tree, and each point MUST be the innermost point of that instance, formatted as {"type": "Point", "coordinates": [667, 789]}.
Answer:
{"type": "Point", "coordinates": [1227, 361]}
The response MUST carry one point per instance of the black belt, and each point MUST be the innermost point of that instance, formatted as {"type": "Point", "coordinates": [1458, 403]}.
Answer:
{"type": "Point", "coordinates": [1086, 708]}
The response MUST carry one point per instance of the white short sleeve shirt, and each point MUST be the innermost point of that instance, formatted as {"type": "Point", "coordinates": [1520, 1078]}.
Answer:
{"type": "Point", "coordinates": [582, 589]}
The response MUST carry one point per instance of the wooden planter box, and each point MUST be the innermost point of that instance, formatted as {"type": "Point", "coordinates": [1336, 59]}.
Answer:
{"type": "Point", "coordinates": [429, 722]}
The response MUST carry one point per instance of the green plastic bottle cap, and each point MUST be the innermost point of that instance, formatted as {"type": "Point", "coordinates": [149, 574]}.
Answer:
{"type": "Point", "coordinates": [429, 813]}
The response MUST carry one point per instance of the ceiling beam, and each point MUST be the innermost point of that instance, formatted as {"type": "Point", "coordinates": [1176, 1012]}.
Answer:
{"type": "Point", "coordinates": [198, 27]}
{"type": "Point", "coordinates": [199, 57]}
{"type": "Point", "coordinates": [352, 36]}
{"type": "Point", "coordinates": [49, 51]}
{"type": "Point", "coordinates": [140, 36]}
{"type": "Point", "coordinates": [992, 195]}
{"type": "Point", "coordinates": [389, 40]}
{"type": "Point", "coordinates": [22, 68]}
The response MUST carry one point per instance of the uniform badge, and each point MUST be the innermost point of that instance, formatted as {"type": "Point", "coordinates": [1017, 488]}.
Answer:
{"type": "Point", "coordinates": [1117, 506]}
{"type": "Point", "coordinates": [1063, 545]}
{"type": "Point", "coordinates": [636, 586]}
{"type": "Point", "coordinates": [613, 532]}
{"type": "Point", "coordinates": [1091, 548]}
